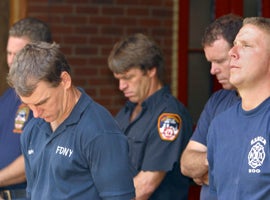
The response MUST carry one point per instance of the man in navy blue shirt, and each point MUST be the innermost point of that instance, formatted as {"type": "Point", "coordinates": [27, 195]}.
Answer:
{"type": "Point", "coordinates": [14, 114]}
{"type": "Point", "coordinates": [217, 41]}
{"type": "Point", "coordinates": [73, 148]}
{"type": "Point", "coordinates": [157, 125]}
{"type": "Point", "coordinates": [238, 138]}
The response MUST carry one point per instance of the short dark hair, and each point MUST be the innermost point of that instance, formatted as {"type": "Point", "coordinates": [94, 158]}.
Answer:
{"type": "Point", "coordinates": [137, 50]}
{"type": "Point", "coordinates": [226, 26]}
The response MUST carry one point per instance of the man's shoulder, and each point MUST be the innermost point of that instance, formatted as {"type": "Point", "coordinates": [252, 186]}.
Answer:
{"type": "Point", "coordinates": [169, 100]}
{"type": "Point", "coordinates": [223, 98]}
{"type": "Point", "coordinates": [9, 95]}
{"type": "Point", "coordinates": [169, 107]}
{"type": "Point", "coordinates": [11, 105]}
{"type": "Point", "coordinates": [222, 92]}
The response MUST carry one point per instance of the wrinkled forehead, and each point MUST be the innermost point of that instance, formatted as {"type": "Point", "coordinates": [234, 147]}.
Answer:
{"type": "Point", "coordinates": [255, 35]}
{"type": "Point", "coordinates": [131, 71]}
{"type": "Point", "coordinates": [253, 29]}
{"type": "Point", "coordinates": [41, 92]}
{"type": "Point", "coordinates": [250, 32]}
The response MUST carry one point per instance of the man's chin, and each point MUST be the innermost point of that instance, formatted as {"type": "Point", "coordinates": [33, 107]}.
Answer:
{"type": "Point", "coordinates": [133, 100]}
{"type": "Point", "coordinates": [227, 86]}
{"type": "Point", "coordinates": [47, 119]}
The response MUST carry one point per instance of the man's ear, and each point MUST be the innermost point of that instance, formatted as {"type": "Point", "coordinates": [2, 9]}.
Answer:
{"type": "Point", "coordinates": [66, 79]}
{"type": "Point", "coordinates": [152, 72]}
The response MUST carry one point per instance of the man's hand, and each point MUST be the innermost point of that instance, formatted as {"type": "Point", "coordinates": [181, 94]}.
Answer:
{"type": "Point", "coordinates": [202, 180]}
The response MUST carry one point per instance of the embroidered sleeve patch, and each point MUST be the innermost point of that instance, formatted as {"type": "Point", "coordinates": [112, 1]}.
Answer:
{"type": "Point", "coordinates": [169, 125]}
{"type": "Point", "coordinates": [20, 118]}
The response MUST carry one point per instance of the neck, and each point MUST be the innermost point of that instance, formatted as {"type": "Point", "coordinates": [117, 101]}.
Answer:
{"type": "Point", "coordinates": [70, 99]}
{"type": "Point", "coordinates": [153, 88]}
{"type": "Point", "coordinates": [251, 100]}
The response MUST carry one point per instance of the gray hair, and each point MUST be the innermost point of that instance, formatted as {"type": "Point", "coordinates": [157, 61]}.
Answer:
{"type": "Point", "coordinates": [32, 28]}
{"type": "Point", "coordinates": [37, 62]}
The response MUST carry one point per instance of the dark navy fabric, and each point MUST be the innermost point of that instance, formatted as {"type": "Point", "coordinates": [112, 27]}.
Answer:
{"type": "Point", "coordinates": [149, 152]}
{"type": "Point", "coordinates": [10, 147]}
{"type": "Point", "coordinates": [238, 153]}
{"type": "Point", "coordinates": [84, 158]}
{"type": "Point", "coordinates": [217, 103]}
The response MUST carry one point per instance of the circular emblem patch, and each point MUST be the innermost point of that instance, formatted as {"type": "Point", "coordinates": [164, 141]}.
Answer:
{"type": "Point", "coordinates": [256, 155]}
{"type": "Point", "coordinates": [169, 125]}
{"type": "Point", "coordinates": [21, 117]}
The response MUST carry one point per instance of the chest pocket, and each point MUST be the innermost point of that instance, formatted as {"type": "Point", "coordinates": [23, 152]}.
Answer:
{"type": "Point", "coordinates": [136, 151]}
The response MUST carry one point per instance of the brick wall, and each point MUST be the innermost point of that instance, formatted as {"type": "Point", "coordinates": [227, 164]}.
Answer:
{"type": "Point", "coordinates": [87, 29]}
{"type": "Point", "coordinates": [4, 15]}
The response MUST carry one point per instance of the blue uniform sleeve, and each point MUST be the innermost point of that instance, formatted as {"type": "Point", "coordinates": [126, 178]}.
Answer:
{"type": "Point", "coordinates": [110, 167]}
{"type": "Point", "coordinates": [200, 133]}
{"type": "Point", "coordinates": [161, 155]}
{"type": "Point", "coordinates": [217, 103]}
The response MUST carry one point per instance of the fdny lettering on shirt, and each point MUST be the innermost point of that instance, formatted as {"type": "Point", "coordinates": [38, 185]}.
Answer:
{"type": "Point", "coordinates": [256, 154]}
{"type": "Point", "coordinates": [64, 151]}
{"type": "Point", "coordinates": [169, 125]}
{"type": "Point", "coordinates": [21, 118]}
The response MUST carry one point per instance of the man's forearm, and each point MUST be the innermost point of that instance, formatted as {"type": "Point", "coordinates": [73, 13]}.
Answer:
{"type": "Point", "coordinates": [194, 163]}
{"type": "Point", "coordinates": [146, 182]}
{"type": "Point", "coordinates": [14, 173]}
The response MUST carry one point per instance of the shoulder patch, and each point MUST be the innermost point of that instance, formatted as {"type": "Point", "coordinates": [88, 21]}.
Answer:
{"type": "Point", "coordinates": [20, 118]}
{"type": "Point", "coordinates": [169, 125]}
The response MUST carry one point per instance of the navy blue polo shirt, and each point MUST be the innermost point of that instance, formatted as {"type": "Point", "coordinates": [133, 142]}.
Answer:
{"type": "Point", "coordinates": [86, 157]}
{"type": "Point", "coordinates": [14, 116]}
{"type": "Point", "coordinates": [217, 103]}
{"type": "Point", "coordinates": [156, 138]}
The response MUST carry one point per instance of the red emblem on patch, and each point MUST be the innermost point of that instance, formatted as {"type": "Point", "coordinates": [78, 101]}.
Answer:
{"type": "Point", "coordinates": [169, 125]}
